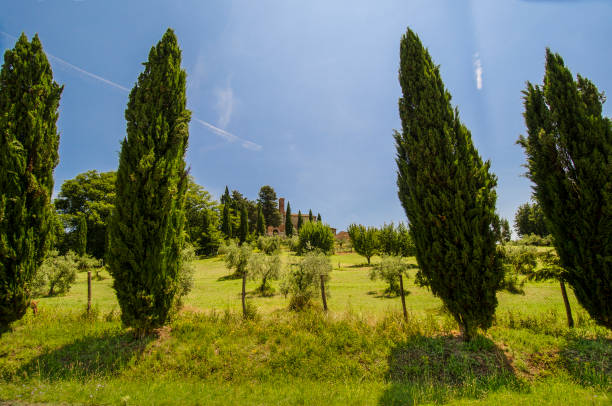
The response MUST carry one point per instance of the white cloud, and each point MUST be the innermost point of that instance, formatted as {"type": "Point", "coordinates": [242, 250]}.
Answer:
{"type": "Point", "coordinates": [225, 106]}
{"type": "Point", "coordinates": [478, 71]}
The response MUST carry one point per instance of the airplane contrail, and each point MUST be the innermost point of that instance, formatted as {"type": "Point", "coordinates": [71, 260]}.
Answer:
{"type": "Point", "coordinates": [225, 134]}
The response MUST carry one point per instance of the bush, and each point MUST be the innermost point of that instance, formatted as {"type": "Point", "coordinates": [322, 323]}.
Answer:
{"type": "Point", "coordinates": [389, 270]}
{"type": "Point", "coordinates": [56, 274]}
{"type": "Point", "coordinates": [315, 236]}
{"type": "Point", "coordinates": [186, 271]}
{"type": "Point", "coordinates": [266, 267]}
{"type": "Point", "coordinates": [269, 245]}
{"type": "Point", "coordinates": [364, 240]}
{"type": "Point", "coordinates": [535, 240]}
{"type": "Point", "coordinates": [303, 281]}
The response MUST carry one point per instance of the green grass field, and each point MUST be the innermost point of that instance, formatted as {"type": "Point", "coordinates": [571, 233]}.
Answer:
{"type": "Point", "coordinates": [360, 353]}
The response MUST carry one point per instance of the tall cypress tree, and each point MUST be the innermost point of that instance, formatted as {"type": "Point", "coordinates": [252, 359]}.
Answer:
{"type": "Point", "coordinates": [147, 225]}
{"type": "Point", "coordinates": [261, 221]}
{"type": "Point", "coordinates": [300, 221]}
{"type": "Point", "coordinates": [288, 223]}
{"type": "Point", "coordinates": [226, 198]}
{"type": "Point", "coordinates": [319, 217]}
{"type": "Point", "coordinates": [29, 99]}
{"type": "Point", "coordinates": [81, 247]}
{"type": "Point", "coordinates": [310, 215]}
{"type": "Point", "coordinates": [569, 159]}
{"type": "Point", "coordinates": [226, 222]}
{"type": "Point", "coordinates": [243, 232]}
{"type": "Point", "coordinates": [448, 194]}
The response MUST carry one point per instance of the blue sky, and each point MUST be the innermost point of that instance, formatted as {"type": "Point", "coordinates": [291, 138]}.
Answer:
{"type": "Point", "coordinates": [303, 95]}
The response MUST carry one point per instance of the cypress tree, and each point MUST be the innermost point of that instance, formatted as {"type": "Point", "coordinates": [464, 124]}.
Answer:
{"type": "Point", "coordinates": [147, 225]}
{"type": "Point", "coordinates": [226, 198]}
{"type": "Point", "coordinates": [261, 221]}
{"type": "Point", "coordinates": [288, 223]}
{"type": "Point", "coordinates": [29, 99]}
{"type": "Point", "coordinates": [300, 221]}
{"type": "Point", "coordinates": [226, 222]}
{"type": "Point", "coordinates": [243, 232]}
{"type": "Point", "coordinates": [319, 217]}
{"type": "Point", "coordinates": [447, 193]}
{"type": "Point", "coordinates": [81, 247]}
{"type": "Point", "coordinates": [310, 215]}
{"type": "Point", "coordinates": [569, 160]}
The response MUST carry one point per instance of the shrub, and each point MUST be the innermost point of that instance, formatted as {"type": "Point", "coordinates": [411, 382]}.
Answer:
{"type": "Point", "coordinates": [389, 270]}
{"type": "Point", "coordinates": [303, 281]}
{"type": "Point", "coordinates": [315, 236]}
{"type": "Point", "coordinates": [56, 274]}
{"type": "Point", "coordinates": [266, 267]}
{"type": "Point", "coordinates": [269, 245]}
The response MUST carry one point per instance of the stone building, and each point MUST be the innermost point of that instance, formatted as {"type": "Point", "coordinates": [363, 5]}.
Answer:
{"type": "Point", "coordinates": [280, 230]}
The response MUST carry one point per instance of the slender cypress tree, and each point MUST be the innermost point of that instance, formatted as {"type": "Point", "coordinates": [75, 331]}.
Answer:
{"type": "Point", "coordinates": [243, 232]}
{"type": "Point", "coordinates": [81, 247]}
{"type": "Point", "coordinates": [310, 215]}
{"type": "Point", "coordinates": [288, 223]}
{"type": "Point", "coordinates": [147, 225]}
{"type": "Point", "coordinates": [226, 198]}
{"type": "Point", "coordinates": [29, 99]}
{"type": "Point", "coordinates": [226, 222]}
{"type": "Point", "coordinates": [261, 221]}
{"type": "Point", "coordinates": [569, 160]}
{"type": "Point", "coordinates": [300, 221]}
{"type": "Point", "coordinates": [448, 194]}
{"type": "Point", "coordinates": [319, 217]}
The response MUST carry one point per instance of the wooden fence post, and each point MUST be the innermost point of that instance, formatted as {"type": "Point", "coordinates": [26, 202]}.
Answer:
{"type": "Point", "coordinates": [88, 292]}
{"type": "Point", "coordinates": [323, 292]}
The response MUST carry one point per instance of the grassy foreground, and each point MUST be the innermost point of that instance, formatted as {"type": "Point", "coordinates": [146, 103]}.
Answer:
{"type": "Point", "coordinates": [361, 353]}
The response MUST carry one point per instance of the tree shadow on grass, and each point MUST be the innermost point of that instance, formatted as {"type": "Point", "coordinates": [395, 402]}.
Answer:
{"type": "Point", "coordinates": [230, 277]}
{"type": "Point", "coordinates": [364, 265]}
{"type": "Point", "coordinates": [436, 369]}
{"type": "Point", "coordinates": [588, 360]}
{"type": "Point", "coordinates": [386, 295]}
{"type": "Point", "coordinates": [91, 356]}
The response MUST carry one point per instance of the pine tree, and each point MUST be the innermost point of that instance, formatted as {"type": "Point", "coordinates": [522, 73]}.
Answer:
{"type": "Point", "coordinates": [226, 198]}
{"type": "Point", "coordinates": [243, 232]}
{"type": "Point", "coordinates": [300, 221]}
{"type": "Point", "coordinates": [569, 160]}
{"type": "Point", "coordinates": [288, 223]}
{"type": "Point", "coordinates": [226, 222]}
{"type": "Point", "coordinates": [447, 193]}
{"type": "Point", "coordinates": [147, 225]}
{"type": "Point", "coordinates": [269, 205]}
{"type": "Point", "coordinates": [29, 99]}
{"type": "Point", "coordinates": [319, 217]}
{"type": "Point", "coordinates": [261, 221]}
{"type": "Point", "coordinates": [310, 215]}
{"type": "Point", "coordinates": [81, 247]}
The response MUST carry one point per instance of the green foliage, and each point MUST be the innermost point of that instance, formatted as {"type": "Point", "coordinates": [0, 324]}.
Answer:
{"type": "Point", "coordinates": [226, 222]}
{"type": "Point", "coordinates": [56, 274]}
{"type": "Point", "coordinates": [294, 243]}
{"type": "Point", "coordinates": [364, 240]}
{"type": "Point", "coordinates": [310, 215]}
{"type": "Point", "coordinates": [185, 276]}
{"type": "Point", "coordinates": [569, 156]}
{"type": "Point", "coordinates": [90, 195]}
{"type": "Point", "coordinates": [236, 257]}
{"type": "Point", "coordinates": [506, 233]}
{"type": "Point", "coordinates": [288, 223]}
{"type": "Point", "coordinates": [448, 194]}
{"type": "Point", "coordinates": [202, 219]}
{"type": "Point", "coordinates": [406, 243]}
{"type": "Point", "coordinates": [82, 236]}
{"type": "Point", "coordinates": [319, 217]}
{"type": "Point", "coordinates": [29, 99]}
{"type": "Point", "coordinates": [316, 236]}
{"type": "Point", "coordinates": [393, 241]}
{"type": "Point", "coordinates": [261, 222]}
{"type": "Point", "coordinates": [243, 231]}
{"type": "Point", "coordinates": [303, 281]}
{"type": "Point", "coordinates": [529, 219]}
{"type": "Point", "coordinates": [269, 206]}
{"type": "Point", "coordinates": [269, 244]}
{"type": "Point", "coordinates": [389, 270]}
{"type": "Point", "coordinates": [300, 221]}
{"type": "Point", "coordinates": [535, 240]}
{"type": "Point", "coordinates": [226, 198]}
{"type": "Point", "coordinates": [147, 227]}
{"type": "Point", "coordinates": [267, 267]}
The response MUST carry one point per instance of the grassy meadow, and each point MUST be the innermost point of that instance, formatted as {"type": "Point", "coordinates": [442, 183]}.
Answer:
{"type": "Point", "coordinates": [360, 353]}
